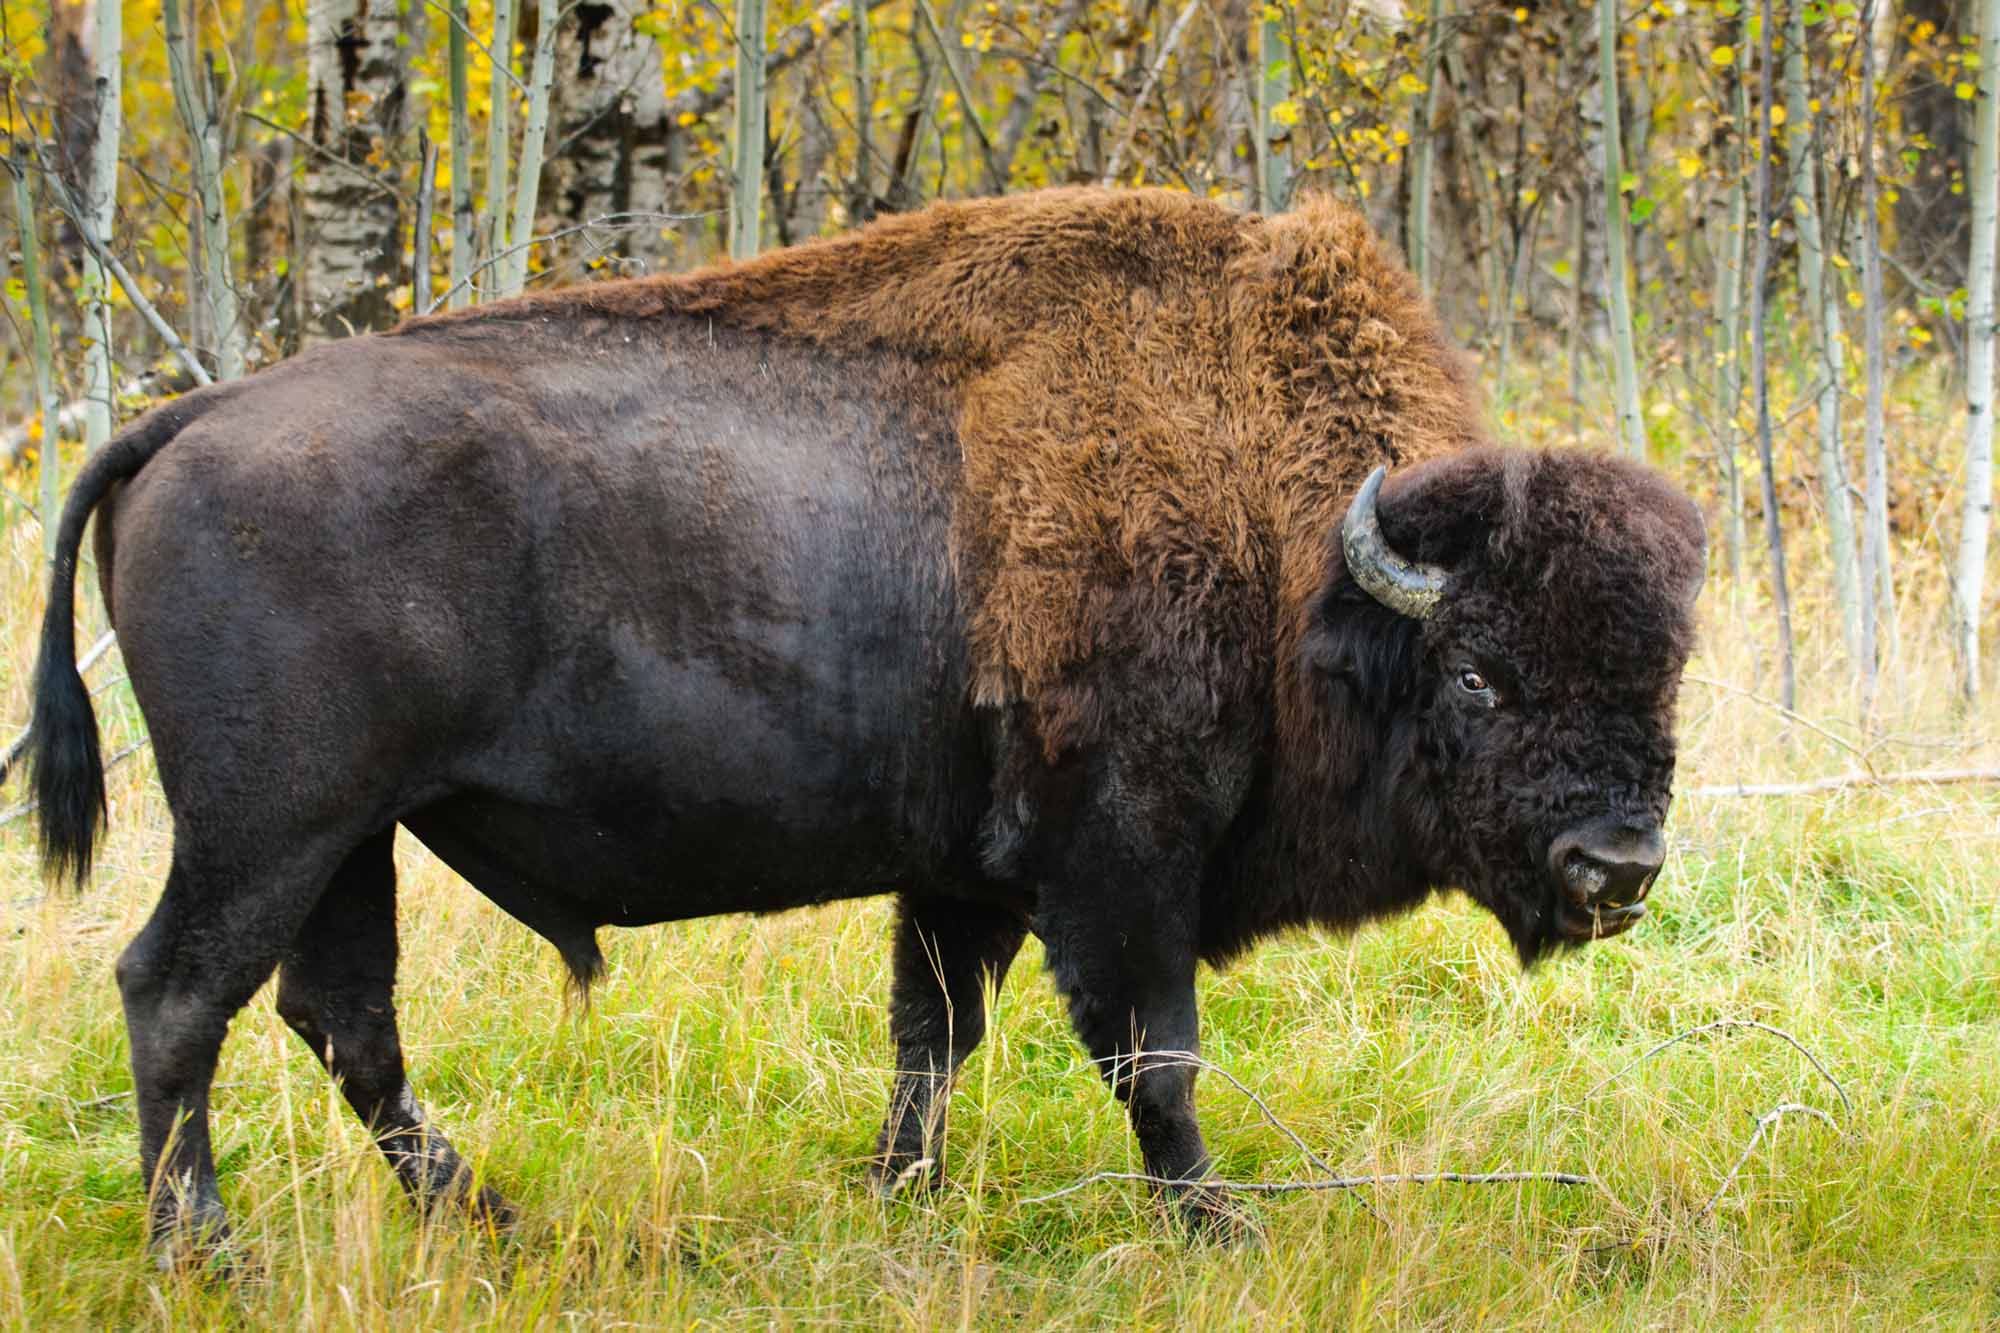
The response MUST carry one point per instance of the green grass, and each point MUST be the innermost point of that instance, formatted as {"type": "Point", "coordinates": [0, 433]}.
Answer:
{"type": "Point", "coordinates": [688, 1146]}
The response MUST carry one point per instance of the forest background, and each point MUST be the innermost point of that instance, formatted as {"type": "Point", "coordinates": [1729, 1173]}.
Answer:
{"type": "Point", "coordinates": [1754, 244]}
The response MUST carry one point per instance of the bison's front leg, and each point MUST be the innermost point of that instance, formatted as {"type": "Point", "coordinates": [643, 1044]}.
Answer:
{"type": "Point", "coordinates": [1121, 932]}
{"type": "Point", "coordinates": [947, 952]}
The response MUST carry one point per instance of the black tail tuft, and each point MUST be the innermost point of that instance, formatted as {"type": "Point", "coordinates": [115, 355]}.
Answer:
{"type": "Point", "coordinates": [69, 770]}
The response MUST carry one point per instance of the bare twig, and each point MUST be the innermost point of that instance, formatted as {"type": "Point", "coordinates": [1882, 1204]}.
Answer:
{"type": "Point", "coordinates": [1769, 1118]}
{"type": "Point", "coordinates": [1787, 713]}
{"type": "Point", "coordinates": [1330, 1183]}
{"type": "Point", "coordinates": [89, 660]}
{"type": "Point", "coordinates": [606, 220]}
{"type": "Point", "coordinates": [26, 808]}
{"type": "Point", "coordinates": [130, 286]}
{"type": "Point", "coordinates": [503, 68]}
{"type": "Point", "coordinates": [994, 175]}
{"type": "Point", "coordinates": [1933, 777]}
{"type": "Point", "coordinates": [1166, 51]}
{"type": "Point", "coordinates": [1731, 1025]}
{"type": "Point", "coordinates": [1190, 1060]}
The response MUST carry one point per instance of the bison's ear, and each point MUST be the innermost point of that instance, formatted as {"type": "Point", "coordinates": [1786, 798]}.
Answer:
{"type": "Point", "coordinates": [1366, 655]}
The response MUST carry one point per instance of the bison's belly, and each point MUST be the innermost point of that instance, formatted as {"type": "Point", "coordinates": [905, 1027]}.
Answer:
{"type": "Point", "coordinates": [561, 870]}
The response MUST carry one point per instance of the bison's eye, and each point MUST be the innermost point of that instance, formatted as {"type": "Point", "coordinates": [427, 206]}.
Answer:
{"type": "Point", "coordinates": [1476, 685]}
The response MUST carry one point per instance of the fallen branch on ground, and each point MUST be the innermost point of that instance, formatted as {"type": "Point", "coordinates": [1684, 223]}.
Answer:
{"type": "Point", "coordinates": [1764, 1122]}
{"type": "Point", "coordinates": [1330, 1183]}
{"type": "Point", "coordinates": [1933, 777]}
{"type": "Point", "coordinates": [1729, 1025]}
{"type": "Point", "coordinates": [1335, 1181]}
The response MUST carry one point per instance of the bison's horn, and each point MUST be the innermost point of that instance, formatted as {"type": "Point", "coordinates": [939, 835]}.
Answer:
{"type": "Point", "coordinates": [1404, 586]}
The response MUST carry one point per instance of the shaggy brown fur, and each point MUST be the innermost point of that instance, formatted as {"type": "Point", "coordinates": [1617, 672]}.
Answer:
{"type": "Point", "coordinates": [1163, 407]}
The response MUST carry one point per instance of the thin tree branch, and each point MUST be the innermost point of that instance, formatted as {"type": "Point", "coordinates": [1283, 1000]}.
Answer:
{"type": "Point", "coordinates": [1160, 58]}
{"type": "Point", "coordinates": [950, 59]}
{"type": "Point", "coordinates": [1330, 1183]}
{"type": "Point", "coordinates": [501, 67]}
{"type": "Point", "coordinates": [1942, 777]}
{"type": "Point", "coordinates": [27, 808]}
{"type": "Point", "coordinates": [126, 282]}
{"type": "Point", "coordinates": [1730, 1025]}
{"type": "Point", "coordinates": [85, 663]}
{"type": "Point", "coordinates": [1787, 713]}
{"type": "Point", "coordinates": [614, 220]}
{"type": "Point", "coordinates": [1768, 1119]}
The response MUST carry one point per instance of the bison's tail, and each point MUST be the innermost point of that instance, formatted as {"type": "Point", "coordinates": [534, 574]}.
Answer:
{"type": "Point", "coordinates": [62, 735]}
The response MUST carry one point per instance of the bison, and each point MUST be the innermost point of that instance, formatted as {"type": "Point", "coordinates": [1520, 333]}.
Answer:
{"type": "Point", "coordinates": [1027, 558]}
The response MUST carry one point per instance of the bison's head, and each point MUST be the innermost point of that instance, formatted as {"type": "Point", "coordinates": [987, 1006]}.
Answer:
{"type": "Point", "coordinates": [1514, 624]}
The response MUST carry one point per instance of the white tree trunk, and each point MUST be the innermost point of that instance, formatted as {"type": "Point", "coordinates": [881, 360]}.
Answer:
{"type": "Point", "coordinates": [746, 201]}
{"type": "Point", "coordinates": [357, 74]}
{"type": "Point", "coordinates": [1631, 427]}
{"type": "Point", "coordinates": [1274, 85]}
{"type": "Point", "coordinates": [613, 127]}
{"type": "Point", "coordinates": [1876, 575]}
{"type": "Point", "coordinates": [1969, 574]}
{"type": "Point", "coordinates": [493, 227]}
{"type": "Point", "coordinates": [49, 455]}
{"type": "Point", "coordinates": [534, 138]}
{"type": "Point", "coordinates": [464, 222]}
{"type": "Point", "coordinates": [214, 284]}
{"type": "Point", "coordinates": [1729, 262]}
{"type": "Point", "coordinates": [1424, 145]}
{"type": "Point", "coordinates": [1823, 318]}
{"type": "Point", "coordinates": [1774, 532]}
{"type": "Point", "coordinates": [100, 209]}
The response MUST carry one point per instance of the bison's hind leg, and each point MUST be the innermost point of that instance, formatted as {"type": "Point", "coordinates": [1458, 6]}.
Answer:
{"type": "Point", "coordinates": [335, 990]}
{"type": "Point", "coordinates": [212, 940]}
{"type": "Point", "coordinates": [947, 953]}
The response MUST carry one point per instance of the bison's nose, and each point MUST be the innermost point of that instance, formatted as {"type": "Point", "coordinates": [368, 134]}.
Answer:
{"type": "Point", "coordinates": [1608, 862]}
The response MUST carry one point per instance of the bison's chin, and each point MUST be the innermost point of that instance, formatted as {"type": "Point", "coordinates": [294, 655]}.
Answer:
{"type": "Point", "coordinates": [1542, 923]}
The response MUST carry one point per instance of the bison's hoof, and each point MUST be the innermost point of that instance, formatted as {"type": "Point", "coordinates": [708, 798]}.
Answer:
{"type": "Point", "coordinates": [201, 1246]}
{"type": "Point", "coordinates": [489, 1210]}
{"type": "Point", "coordinates": [905, 1177]}
{"type": "Point", "coordinates": [1211, 1216]}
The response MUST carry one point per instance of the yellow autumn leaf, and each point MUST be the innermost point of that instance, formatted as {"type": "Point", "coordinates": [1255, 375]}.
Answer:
{"type": "Point", "coordinates": [1854, 299]}
{"type": "Point", "coordinates": [1285, 113]}
{"type": "Point", "coordinates": [1690, 166]}
{"type": "Point", "coordinates": [1520, 16]}
{"type": "Point", "coordinates": [1722, 55]}
{"type": "Point", "coordinates": [1920, 335]}
{"type": "Point", "coordinates": [1777, 116]}
{"type": "Point", "coordinates": [1965, 91]}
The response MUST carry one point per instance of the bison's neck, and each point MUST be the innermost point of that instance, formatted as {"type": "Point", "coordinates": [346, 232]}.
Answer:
{"type": "Point", "coordinates": [1331, 836]}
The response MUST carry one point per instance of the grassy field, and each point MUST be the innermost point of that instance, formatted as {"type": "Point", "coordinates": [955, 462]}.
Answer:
{"type": "Point", "coordinates": [688, 1147]}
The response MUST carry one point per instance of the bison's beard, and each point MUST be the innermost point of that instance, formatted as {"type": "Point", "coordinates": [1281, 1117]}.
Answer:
{"type": "Point", "coordinates": [1541, 923]}
{"type": "Point", "coordinates": [1527, 908]}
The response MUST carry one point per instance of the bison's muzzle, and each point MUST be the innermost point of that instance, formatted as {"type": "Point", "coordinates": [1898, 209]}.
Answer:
{"type": "Point", "coordinates": [1603, 871]}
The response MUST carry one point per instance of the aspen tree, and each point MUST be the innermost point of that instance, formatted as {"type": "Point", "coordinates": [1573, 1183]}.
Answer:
{"type": "Point", "coordinates": [1969, 574]}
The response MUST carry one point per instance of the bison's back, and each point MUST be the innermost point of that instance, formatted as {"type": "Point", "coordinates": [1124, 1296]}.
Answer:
{"type": "Point", "coordinates": [675, 587]}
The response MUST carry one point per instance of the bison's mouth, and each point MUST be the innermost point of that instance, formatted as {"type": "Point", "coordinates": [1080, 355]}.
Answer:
{"type": "Point", "coordinates": [1582, 924]}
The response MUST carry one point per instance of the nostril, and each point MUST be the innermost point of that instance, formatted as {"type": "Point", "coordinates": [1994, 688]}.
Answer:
{"type": "Point", "coordinates": [1585, 875]}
